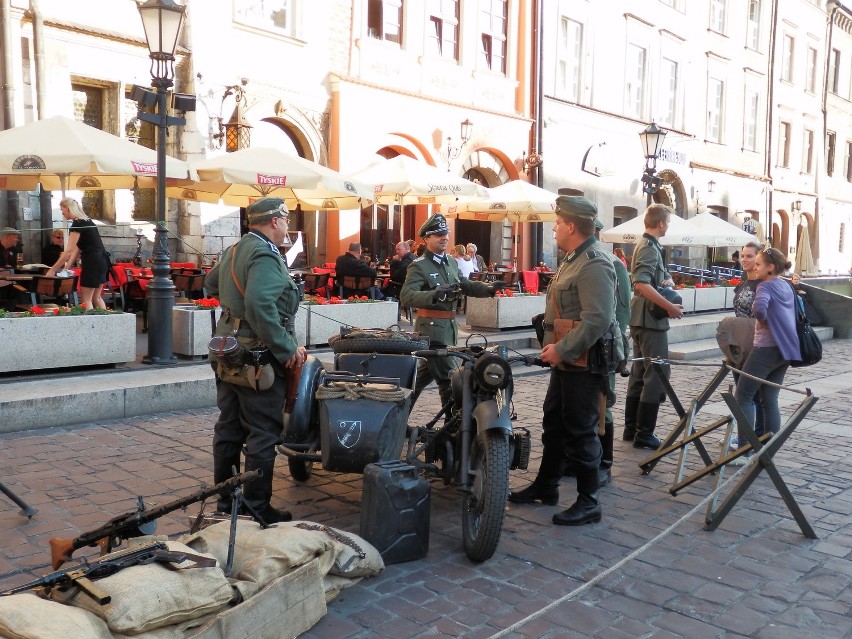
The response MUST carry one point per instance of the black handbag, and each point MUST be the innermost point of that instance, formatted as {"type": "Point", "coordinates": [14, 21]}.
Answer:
{"type": "Point", "coordinates": [809, 344]}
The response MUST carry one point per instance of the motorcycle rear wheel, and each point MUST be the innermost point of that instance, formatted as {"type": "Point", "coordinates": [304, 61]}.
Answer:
{"type": "Point", "coordinates": [484, 507]}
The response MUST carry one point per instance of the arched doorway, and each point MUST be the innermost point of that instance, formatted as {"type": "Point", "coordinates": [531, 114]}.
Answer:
{"type": "Point", "coordinates": [493, 239]}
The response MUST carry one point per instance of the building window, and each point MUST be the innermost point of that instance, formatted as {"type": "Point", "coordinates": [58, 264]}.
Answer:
{"type": "Point", "coordinates": [752, 102]}
{"type": "Point", "coordinates": [635, 76]}
{"type": "Point", "coordinates": [569, 59]}
{"type": "Point", "coordinates": [784, 144]}
{"type": "Point", "coordinates": [753, 26]}
{"type": "Point", "coordinates": [89, 104]}
{"type": "Point", "coordinates": [715, 109]}
{"type": "Point", "coordinates": [668, 90]}
{"type": "Point", "coordinates": [493, 24]}
{"type": "Point", "coordinates": [830, 150]}
{"type": "Point", "coordinates": [834, 71]}
{"type": "Point", "coordinates": [384, 20]}
{"type": "Point", "coordinates": [443, 37]}
{"type": "Point", "coordinates": [849, 161]}
{"type": "Point", "coordinates": [811, 71]}
{"type": "Point", "coordinates": [717, 15]}
{"type": "Point", "coordinates": [787, 59]}
{"type": "Point", "coordinates": [275, 15]}
{"type": "Point", "coordinates": [808, 152]}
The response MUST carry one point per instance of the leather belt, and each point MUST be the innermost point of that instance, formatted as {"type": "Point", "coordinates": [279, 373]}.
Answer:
{"type": "Point", "coordinates": [428, 312]}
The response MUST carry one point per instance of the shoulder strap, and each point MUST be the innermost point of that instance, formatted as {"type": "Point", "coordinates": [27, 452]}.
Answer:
{"type": "Point", "coordinates": [233, 274]}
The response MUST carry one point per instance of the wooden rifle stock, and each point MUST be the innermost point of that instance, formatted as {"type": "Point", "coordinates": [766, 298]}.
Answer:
{"type": "Point", "coordinates": [128, 525]}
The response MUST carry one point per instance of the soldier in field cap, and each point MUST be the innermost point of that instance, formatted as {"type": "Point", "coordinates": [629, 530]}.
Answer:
{"type": "Point", "coordinates": [259, 302]}
{"type": "Point", "coordinates": [583, 286]}
{"type": "Point", "coordinates": [432, 286]}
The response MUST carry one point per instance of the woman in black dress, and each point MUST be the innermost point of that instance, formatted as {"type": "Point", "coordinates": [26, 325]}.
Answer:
{"type": "Point", "coordinates": [84, 242]}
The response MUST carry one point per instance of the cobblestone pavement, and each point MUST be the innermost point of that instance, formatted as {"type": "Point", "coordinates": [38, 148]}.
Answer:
{"type": "Point", "coordinates": [649, 569]}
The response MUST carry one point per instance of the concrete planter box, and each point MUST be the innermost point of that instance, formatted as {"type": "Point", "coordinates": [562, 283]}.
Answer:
{"type": "Point", "coordinates": [191, 330]}
{"type": "Point", "coordinates": [688, 297]}
{"type": "Point", "coordinates": [503, 312]}
{"type": "Point", "coordinates": [325, 320]}
{"type": "Point", "coordinates": [710, 299]}
{"type": "Point", "coordinates": [60, 342]}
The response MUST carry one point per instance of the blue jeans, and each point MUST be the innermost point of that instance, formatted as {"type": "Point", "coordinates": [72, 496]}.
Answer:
{"type": "Point", "coordinates": [768, 364]}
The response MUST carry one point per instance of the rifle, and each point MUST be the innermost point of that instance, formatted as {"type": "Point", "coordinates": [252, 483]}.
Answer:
{"type": "Point", "coordinates": [133, 524]}
{"type": "Point", "coordinates": [81, 576]}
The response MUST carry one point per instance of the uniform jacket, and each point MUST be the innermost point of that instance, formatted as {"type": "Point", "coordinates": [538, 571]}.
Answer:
{"type": "Point", "coordinates": [648, 268]}
{"type": "Point", "coordinates": [584, 289]}
{"type": "Point", "coordinates": [271, 297]}
{"type": "Point", "coordinates": [348, 264]}
{"type": "Point", "coordinates": [424, 275]}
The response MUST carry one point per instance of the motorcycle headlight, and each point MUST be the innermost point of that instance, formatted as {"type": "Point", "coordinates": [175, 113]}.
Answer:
{"type": "Point", "coordinates": [492, 373]}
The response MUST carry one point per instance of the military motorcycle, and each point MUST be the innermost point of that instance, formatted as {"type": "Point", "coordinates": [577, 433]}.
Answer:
{"type": "Point", "coordinates": [470, 442]}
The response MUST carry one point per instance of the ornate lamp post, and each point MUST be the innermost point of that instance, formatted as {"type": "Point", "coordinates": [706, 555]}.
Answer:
{"type": "Point", "coordinates": [162, 20]}
{"type": "Point", "coordinates": [652, 143]}
{"type": "Point", "coordinates": [452, 151]}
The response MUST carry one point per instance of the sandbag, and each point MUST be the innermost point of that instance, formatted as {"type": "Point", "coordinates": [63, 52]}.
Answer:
{"type": "Point", "coordinates": [151, 596]}
{"type": "Point", "coordinates": [26, 616]}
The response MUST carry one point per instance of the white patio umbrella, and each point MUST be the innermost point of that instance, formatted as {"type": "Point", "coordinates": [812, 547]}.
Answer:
{"type": "Point", "coordinates": [679, 232]}
{"type": "Point", "coordinates": [716, 232]}
{"type": "Point", "coordinates": [804, 256]}
{"type": "Point", "coordinates": [243, 176]}
{"type": "Point", "coordinates": [60, 153]}
{"type": "Point", "coordinates": [404, 180]}
{"type": "Point", "coordinates": [515, 201]}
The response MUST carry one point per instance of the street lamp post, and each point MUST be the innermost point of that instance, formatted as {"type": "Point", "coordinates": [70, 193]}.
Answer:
{"type": "Point", "coordinates": [162, 21]}
{"type": "Point", "coordinates": [652, 143]}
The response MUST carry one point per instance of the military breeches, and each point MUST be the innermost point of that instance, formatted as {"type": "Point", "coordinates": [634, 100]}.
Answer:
{"type": "Point", "coordinates": [570, 422]}
{"type": "Point", "coordinates": [644, 381]}
{"type": "Point", "coordinates": [249, 417]}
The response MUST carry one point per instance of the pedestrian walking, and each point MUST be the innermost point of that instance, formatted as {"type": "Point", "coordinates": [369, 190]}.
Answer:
{"type": "Point", "coordinates": [583, 288]}
{"type": "Point", "coordinates": [259, 301]}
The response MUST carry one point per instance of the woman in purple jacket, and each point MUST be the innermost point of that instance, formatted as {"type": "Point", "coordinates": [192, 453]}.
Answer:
{"type": "Point", "coordinates": [776, 342]}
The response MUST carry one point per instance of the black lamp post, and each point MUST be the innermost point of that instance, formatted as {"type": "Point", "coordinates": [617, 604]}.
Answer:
{"type": "Point", "coordinates": [652, 143]}
{"type": "Point", "coordinates": [162, 20]}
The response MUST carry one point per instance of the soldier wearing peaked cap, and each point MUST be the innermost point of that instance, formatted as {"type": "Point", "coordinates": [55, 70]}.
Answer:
{"type": "Point", "coordinates": [582, 289]}
{"type": "Point", "coordinates": [432, 287]}
{"type": "Point", "coordinates": [259, 302]}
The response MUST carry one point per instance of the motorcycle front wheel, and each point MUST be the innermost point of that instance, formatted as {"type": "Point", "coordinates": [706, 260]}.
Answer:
{"type": "Point", "coordinates": [484, 507]}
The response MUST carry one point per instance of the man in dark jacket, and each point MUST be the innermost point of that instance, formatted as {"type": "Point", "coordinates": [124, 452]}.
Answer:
{"type": "Point", "coordinates": [398, 267]}
{"type": "Point", "coordinates": [351, 264]}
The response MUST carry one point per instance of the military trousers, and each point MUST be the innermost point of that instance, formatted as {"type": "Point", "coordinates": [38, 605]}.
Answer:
{"type": "Point", "coordinates": [644, 381]}
{"type": "Point", "coordinates": [570, 423]}
{"type": "Point", "coordinates": [248, 417]}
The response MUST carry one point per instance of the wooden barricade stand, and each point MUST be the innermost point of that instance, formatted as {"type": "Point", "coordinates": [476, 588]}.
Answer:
{"type": "Point", "coordinates": [764, 446]}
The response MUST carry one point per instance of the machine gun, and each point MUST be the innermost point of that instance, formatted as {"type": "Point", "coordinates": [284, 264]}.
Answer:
{"type": "Point", "coordinates": [135, 523]}
{"type": "Point", "coordinates": [81, 576]}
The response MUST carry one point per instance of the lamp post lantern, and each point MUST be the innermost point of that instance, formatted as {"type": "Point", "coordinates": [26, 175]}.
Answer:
{"type": "Point", "coordinates": [162, 21]}
{"type": "Point", "coordinates": [652, 143]}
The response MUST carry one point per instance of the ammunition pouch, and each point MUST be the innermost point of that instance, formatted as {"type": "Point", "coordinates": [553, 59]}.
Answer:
{"type": "Point", "coordinates": [610, 353]}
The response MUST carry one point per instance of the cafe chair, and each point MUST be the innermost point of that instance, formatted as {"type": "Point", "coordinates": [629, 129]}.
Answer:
{"type": "Point", "coordinates": [189, 286]}
{"type": "Point", "coordinates": [316, 284]}
{"type": "Point", "coordinates": [53, 290]}
{"type": "Point", "coordinates": [135, 297]}
{"type": "Point", "coordinates": [356, 285]}
{"type": "Point", "coordinates": [513, 280]}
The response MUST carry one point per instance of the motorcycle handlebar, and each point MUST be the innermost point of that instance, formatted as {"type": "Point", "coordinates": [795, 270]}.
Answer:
{"type": "Point", "coordinates": [444, 352]}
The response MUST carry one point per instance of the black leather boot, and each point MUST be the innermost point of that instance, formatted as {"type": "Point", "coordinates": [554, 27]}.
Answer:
{"type": "Point", "coordinates": [631, 409]}
{"type": "Point", "coordinates": [223, 466]}
{"type": "Point", "coordinates": [258, 492]}
{"type": "Point", "coordinates": [646, 422]}
{"type": "Point", "coordinates": [587, 508]}
{"type": "Point", "coordinates": [547, 492]}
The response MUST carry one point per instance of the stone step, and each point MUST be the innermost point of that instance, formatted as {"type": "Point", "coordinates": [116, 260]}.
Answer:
{"type": "Point", "coordinates": [699, 349]}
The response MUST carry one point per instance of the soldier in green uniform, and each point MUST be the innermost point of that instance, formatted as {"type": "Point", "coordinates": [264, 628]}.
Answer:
{"type": "Point", "coordinates": [259, 301]}
{"type": "Point", "coordinates": [432, 286]}
{"type": "Point", "coordinates": [645, 390]}
{"type": "Point", "coordinates": [582, 289]}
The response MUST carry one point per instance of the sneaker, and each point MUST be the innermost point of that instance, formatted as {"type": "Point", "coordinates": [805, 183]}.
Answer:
{"type": "Point", "coordinates": [735, 443]}
{"type": "Point", "coordinates": [742, 460]}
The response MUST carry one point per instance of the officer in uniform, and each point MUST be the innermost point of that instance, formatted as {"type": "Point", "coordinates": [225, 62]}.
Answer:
{"type": "Point", "coordinates": [259, 301]}
{"type": "Point", "coordinates": [582, 289]}
{"type": "Point", "coordinates": [432, 286]}
{"type": "Point", "coordinates": [645, 390]}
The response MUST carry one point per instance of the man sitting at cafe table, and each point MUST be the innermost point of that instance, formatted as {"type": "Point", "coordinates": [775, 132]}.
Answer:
{"type": "Point", "coordinates": [9, 250]}
{"type": "Point", "coordinates": [432, 286]}
{"type": "Point", "coordinates": [398, 267]}
{"type": "Point", "coordinates": [351, 264]}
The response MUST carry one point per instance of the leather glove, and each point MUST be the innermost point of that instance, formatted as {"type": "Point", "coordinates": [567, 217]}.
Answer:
{"type": "Point", "coordinates": [497, 286]}
{"type": "Point", "coordinates": [446, 293]}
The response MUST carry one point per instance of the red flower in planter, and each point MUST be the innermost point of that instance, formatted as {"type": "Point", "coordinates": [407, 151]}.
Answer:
{"type": "Point", "coordinates": [207, 302]}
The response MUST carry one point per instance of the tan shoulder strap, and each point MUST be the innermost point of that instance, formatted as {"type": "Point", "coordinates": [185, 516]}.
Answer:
{"type": "Point", "coordinates": [233, 274]}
